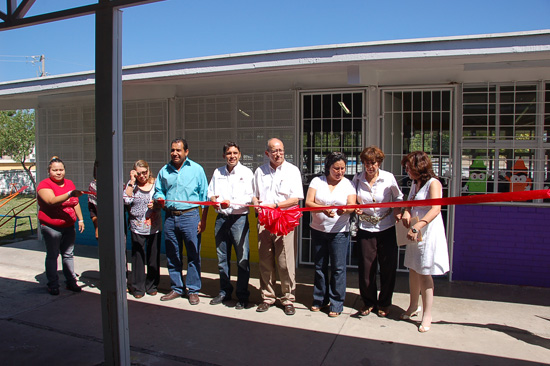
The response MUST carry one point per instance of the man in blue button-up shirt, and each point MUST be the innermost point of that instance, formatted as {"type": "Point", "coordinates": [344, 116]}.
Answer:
{"type": "Point", "coordinates": [182, 180]}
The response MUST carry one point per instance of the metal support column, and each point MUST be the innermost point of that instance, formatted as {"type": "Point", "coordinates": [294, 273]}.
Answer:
{"type": "Point", "coordinates": [112, 247]}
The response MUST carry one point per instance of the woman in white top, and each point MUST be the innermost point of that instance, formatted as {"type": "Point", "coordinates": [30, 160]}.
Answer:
{"type": "Point", "coordinates": [430, 255]}
{"type": "Point", "coordinates": [376, 235]}
{"type": "Point", "coordinates": [145, 227]}
{"type": "Point", "coordinates": [330, 233]}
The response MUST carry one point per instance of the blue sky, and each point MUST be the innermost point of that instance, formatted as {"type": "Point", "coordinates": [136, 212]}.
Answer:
{"type": "Point", "coordinates": [179, 29]}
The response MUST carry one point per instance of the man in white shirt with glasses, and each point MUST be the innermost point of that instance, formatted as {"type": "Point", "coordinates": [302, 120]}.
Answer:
{"type": "Point", "coordinates": [277, 184]}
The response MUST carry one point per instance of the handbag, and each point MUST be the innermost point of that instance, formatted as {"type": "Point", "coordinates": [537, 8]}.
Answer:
{"type": "Point", "coordinates": [401, 232]}
{"type": "Point", "coordinates": [353, 227]}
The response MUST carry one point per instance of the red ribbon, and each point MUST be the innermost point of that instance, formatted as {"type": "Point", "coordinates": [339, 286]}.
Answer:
{"type": "Point", "coordinates": [277, 221]}
{"type": "Point", "coordinates": [282, 222]}
{"type": "Point", "coordinates": [462, 200]}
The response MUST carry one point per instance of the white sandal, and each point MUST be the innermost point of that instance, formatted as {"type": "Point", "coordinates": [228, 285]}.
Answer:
{"type": "Point", "coordinates": [406, 316]}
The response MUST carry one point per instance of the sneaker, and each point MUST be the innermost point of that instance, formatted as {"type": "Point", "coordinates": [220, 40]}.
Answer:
{"type": "Point", "coordinates": [72, 286]}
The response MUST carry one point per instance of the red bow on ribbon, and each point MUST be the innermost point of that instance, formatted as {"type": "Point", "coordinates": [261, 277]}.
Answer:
{"type": "Point", "coordinates": [277, 221]}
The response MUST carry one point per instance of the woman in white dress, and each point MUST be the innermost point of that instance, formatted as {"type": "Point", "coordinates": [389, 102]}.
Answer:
{"type": "Point", "coordinates": [427, 254]}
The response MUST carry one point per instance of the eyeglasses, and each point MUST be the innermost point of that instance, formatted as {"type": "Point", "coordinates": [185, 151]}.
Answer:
{"type": "Point", "coordinates": [145, 172]}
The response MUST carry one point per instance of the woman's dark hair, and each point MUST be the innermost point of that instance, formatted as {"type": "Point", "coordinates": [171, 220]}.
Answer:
{"type": "Point", "coordinates": [55, 159]}
{"type": "Point", "coordinates": [372, 154]}
{"type": "Point", "coordinates": [230, 144]}
{"type": "Point", "coordinates": [420, 165]}
{"type": "Point", "coordinates": [332, 158]}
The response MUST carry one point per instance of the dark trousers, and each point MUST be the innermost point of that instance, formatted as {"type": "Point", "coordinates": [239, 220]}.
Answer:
{"type": "Point", "coordinates": [145, 251]}
{"type": "Point", "coordinates": [377, 248]}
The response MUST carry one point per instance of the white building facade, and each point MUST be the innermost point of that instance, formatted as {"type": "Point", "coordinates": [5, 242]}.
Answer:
{"type": "Point", "coordinates": [479, 105]}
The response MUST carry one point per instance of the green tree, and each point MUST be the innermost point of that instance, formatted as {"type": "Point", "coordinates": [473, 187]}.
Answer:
{"type": "Point", "coordinates": [17, 137]}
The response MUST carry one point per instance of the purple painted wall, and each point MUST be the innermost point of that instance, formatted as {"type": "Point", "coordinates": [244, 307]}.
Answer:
{"type": "Point", "coordinates": [502, 244]}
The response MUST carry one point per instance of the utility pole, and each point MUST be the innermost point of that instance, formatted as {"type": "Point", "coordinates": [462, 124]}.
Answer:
{"type": "Point", "coordinates": [43, 61]}
{"type": "Point", "coordinates": [42, 66]}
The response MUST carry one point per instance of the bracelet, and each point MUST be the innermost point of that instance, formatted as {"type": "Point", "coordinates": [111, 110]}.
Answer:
{"type": "Point", "coordinates": [70, 193]}
{"type": "Point", "coordinates": [81, 221]}
{"type": "Point", "coordinates": [276, 205]}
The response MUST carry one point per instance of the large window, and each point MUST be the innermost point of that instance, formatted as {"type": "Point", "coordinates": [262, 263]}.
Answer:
{"type": "Point", "coordinates": [505, 145]}
{"type": "Point", "coordinates": [330, 122]}
{"type": "Point", "coordinates": [418, 119]}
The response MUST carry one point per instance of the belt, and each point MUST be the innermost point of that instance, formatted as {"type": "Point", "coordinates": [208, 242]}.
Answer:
{"type": "Point", "coordinates": [231, 215]}
{"type": "Point", "coordinates": [374, 219]}
{"type": "Point", "coordinates": [179, 212]}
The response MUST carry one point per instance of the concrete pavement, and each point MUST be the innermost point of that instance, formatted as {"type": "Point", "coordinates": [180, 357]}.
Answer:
{"type": "Point", "coordinates": [474, 324]}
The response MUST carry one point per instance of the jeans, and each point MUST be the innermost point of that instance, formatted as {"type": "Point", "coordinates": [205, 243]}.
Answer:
{"type": "Point", "coordinates": [232, 231]}
{"type": "Point", "coordinates": [331, 247]}
{"type": "Point", "coordinates": [178, 229]}
{"type": "Point", "coordinates": [59, 240]}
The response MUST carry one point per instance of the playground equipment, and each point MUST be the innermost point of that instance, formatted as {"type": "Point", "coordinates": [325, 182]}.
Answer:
{"type": "Point", "coordinates": [15, 211]}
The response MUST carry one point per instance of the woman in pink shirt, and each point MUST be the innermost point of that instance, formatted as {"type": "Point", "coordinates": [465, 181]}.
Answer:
{"type": "Point", "coordinates": [58, 211]}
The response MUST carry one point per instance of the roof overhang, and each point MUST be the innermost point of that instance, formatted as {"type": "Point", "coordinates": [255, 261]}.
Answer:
{"type": "Point", "coordinates": [418, 61]}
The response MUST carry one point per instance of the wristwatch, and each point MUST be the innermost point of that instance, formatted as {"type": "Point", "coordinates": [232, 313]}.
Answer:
{"type": "Point", "coordinates": [130, 185]}
{"type": "Point", "coordinates": [414, 230]}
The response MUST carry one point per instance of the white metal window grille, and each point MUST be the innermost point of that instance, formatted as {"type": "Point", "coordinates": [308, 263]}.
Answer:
{"type": "Point", "coordinates": [330, 122]}
{"type": "Point", "coordinates": [59, 133]}
{"type": "Point", "coordinates": [145, 134]}
{"type": "Point", "coordinates": [247, 119]}
{"type": "Point", "coordinates": [69, 132]}
{"type": "Point", "coordinates": [418, 120]}
{"type": "Point", "coordinates": [504, 144]}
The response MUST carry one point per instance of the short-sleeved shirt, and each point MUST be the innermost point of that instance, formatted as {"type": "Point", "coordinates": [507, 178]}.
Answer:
{"type": "Point", "coordinates": [276, 185]}
{"type": "Point", "coordinates": [62, 215]}
{"type": "Point", "coordinates": [338, 197]}
{"type": "Point", "coordinates": [235, 186]}
{"type": "Point", "coordinates": [385, 189]}
{"type": "Point", "coordinates": [143, 220]}
{"type": "Point", "coordinates": [186, 184]}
